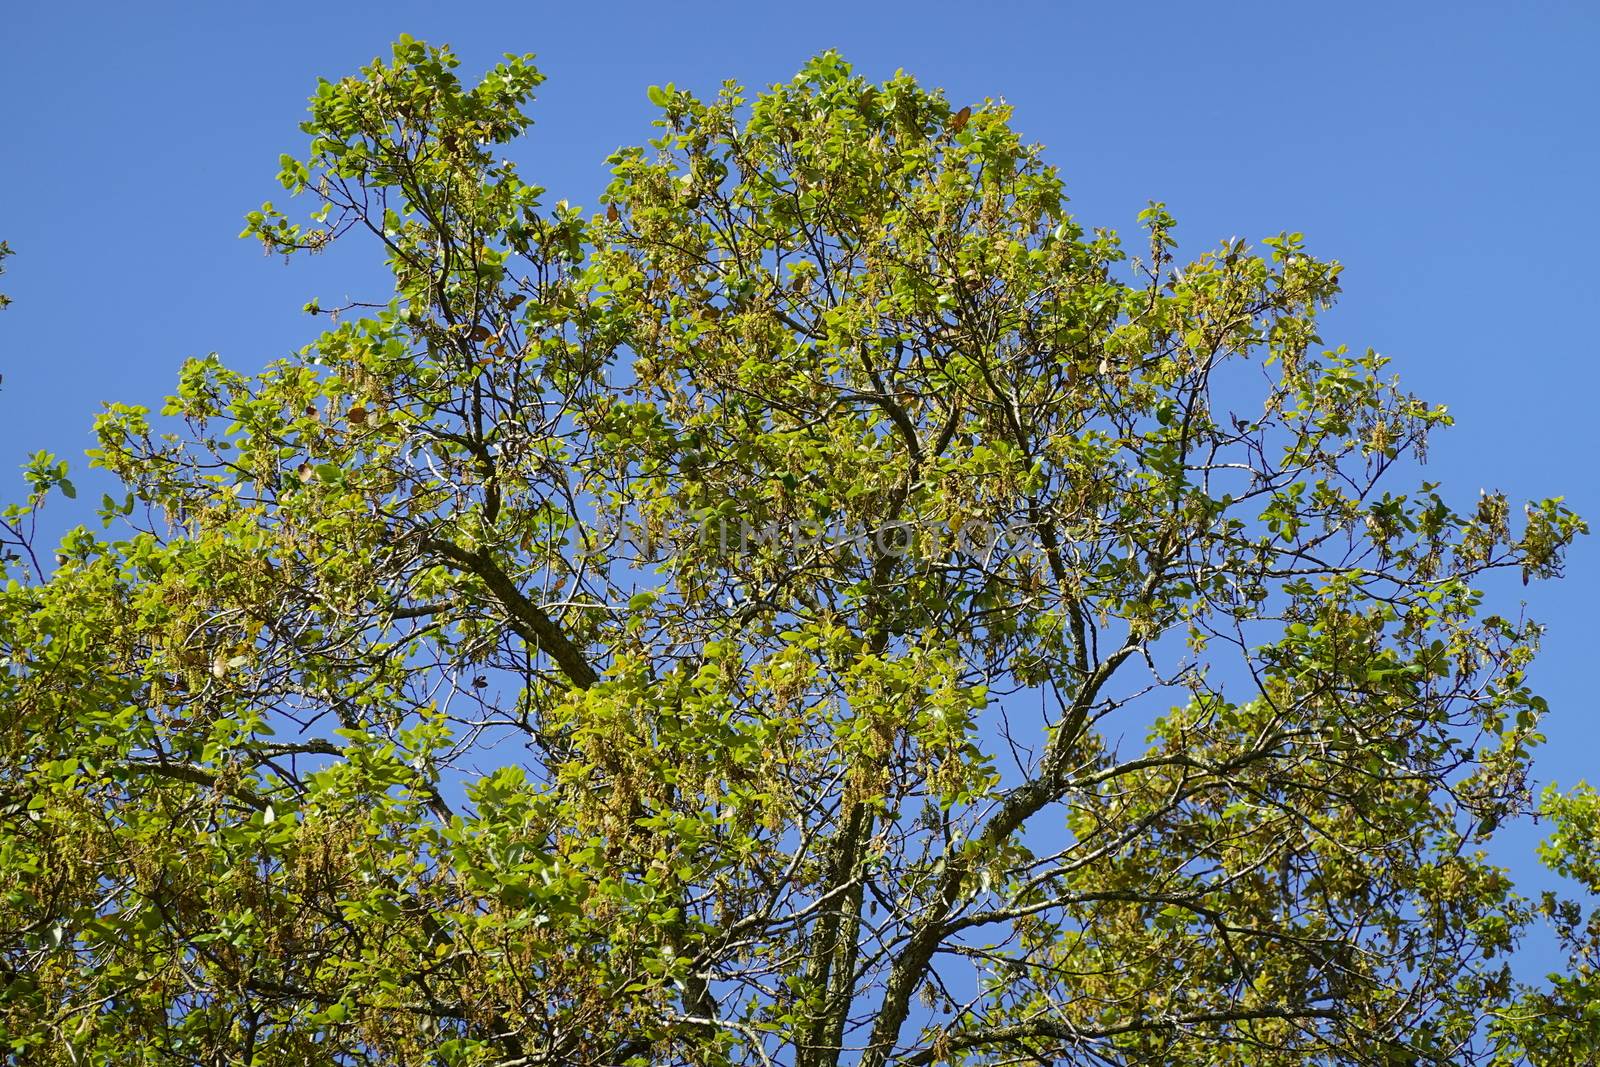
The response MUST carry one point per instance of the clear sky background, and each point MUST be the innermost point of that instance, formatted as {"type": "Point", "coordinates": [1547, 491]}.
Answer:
{"type": "Point", "coordinates": [1447, 153]}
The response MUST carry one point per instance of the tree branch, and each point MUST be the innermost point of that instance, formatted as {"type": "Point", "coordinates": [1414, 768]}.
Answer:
{"type": "Point", "coordinates": [526, 618]}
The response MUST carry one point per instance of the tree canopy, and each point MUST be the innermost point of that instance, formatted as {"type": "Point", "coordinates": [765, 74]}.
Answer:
{"type": "Point", "coordinates": [827, 606]}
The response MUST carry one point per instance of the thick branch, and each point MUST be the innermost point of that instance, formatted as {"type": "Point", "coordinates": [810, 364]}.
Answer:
{"type": "Point", "coordinates": [1019, 805]}
{"type": "Point", "coordinates": [526, 618]}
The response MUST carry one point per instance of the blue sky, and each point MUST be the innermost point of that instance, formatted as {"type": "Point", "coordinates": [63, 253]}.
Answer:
{"type": "Point", "coordinates": [1446, 153]}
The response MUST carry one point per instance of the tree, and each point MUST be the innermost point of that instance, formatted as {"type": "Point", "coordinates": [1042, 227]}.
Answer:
{"type": "Point", "coordinates": [720, 630]}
